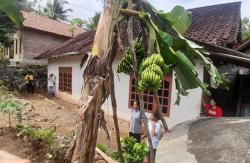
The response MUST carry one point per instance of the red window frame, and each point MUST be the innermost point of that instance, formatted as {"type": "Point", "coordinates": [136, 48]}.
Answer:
{"type": "Point", "coordinates": [65, 79]}
{"type": "Point", "coordinates": [150, 104]}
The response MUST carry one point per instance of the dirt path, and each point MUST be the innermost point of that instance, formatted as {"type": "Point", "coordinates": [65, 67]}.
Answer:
{"type": "Point", "coordinates": [53, 113]}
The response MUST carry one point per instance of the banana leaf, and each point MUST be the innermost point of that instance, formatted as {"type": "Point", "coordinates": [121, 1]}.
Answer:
{"type": "Point", "coordinates": [179, 18]}
{"type": "Point", "coordinates": [10, 8]}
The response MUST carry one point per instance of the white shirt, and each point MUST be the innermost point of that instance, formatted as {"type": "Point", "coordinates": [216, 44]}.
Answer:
{"type": "Point", "coordinates": [156, 138]}
{"type": "Point", "coordinates": [51, 82]}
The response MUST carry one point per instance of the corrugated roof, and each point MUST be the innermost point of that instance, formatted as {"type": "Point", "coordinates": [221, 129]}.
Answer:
{"type": "Point", "coordinates": [45, 24]}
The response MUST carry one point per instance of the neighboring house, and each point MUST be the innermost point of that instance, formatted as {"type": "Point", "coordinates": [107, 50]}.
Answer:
{"type": "Point", "coordinates": [37, 35]}
{"type": "Point", "coordinates": [218, 24]}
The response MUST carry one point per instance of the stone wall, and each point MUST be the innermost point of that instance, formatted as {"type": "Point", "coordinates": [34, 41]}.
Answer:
{"type": "Point", "coordinates": [13, 77]}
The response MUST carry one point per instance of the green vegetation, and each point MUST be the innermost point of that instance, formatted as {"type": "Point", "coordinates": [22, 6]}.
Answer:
{"type": "Point", "coordinates": [90, 24]}
{"type": "Point", "coordinates": [245, 24]}
{"type": "Point", "coordinates": [133, 152]}
{"type": "Point", "coordinates": [10, 105]}
{"type": "Point", "coordinates": [55, 9]}
{"type": "Point", "coordinates": [178, 53]}
{"type": "Point", "coordinates": [46, 136]}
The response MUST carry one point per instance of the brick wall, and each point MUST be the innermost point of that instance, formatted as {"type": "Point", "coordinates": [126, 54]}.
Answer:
{"type": "Point", "coordinates": [36, 42]}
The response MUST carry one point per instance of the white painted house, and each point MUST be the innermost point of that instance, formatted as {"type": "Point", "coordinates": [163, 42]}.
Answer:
{"type": "Point", "coordinates": [64, 63]}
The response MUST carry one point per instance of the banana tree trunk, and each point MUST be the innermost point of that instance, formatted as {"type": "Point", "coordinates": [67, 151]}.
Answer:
{"type": "Point", "coordinates": [96, 87]}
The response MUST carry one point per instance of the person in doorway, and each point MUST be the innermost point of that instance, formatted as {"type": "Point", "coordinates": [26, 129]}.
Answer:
{"type": "Point", "coordinates": [51, 85]}
{"type": "Point", "coordinates": [212, 110]}
{"type": "Point", "coordinates": [154, 128]}
{"type": "Point", "coordinates": [135, 123]}
{"type": "Point", "coordinates": [28, 81]}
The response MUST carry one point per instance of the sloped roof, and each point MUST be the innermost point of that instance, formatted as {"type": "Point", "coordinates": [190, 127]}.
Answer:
{"type": "Point", "coordinates": [243, 45]}
{"type": "Point", "coordinates": [75, 46]}
{"type": "Point", "coordinates": [45, 24]}
{"type": "Point", "coordinates": [217, 24]}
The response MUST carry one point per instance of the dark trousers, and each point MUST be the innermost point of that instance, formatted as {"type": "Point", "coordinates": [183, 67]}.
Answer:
{"type": "Point", "coordinates": [29, 88]}
{"type": "Point", "coordinates": [136, 136]}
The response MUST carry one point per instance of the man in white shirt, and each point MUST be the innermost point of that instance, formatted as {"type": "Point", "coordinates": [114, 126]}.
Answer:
{"type": "Point", "coordinates": [51, 85]}
{"type": "Point", "coordinates": [135, 123]}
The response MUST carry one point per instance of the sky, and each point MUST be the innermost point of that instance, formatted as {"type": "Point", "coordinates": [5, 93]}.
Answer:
{"type": "Point", "coordinates": [86, 8]}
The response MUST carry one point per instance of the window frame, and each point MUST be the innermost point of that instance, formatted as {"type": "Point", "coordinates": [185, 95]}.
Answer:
{"type": "Point", "coordinates": [169, 79]}
{"type": "Point", "coordinates": [62, 87]}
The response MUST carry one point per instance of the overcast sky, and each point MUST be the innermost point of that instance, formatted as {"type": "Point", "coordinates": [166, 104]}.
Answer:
{"type": "Point", "coordinates": [86, 8]}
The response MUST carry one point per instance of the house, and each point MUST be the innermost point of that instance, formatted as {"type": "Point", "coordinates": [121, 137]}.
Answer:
{"type": "Point", "coordinates": [215, 27]}
{"type": "Point", "coordinates": [37, 35]}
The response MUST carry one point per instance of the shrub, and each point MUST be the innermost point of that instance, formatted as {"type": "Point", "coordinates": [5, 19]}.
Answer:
{"type": "Point", "coordinates": [46, 136]}
{"type": "Point", "coordinates": [133, 152]}
{"type": "Point", "coordinates": [25, 131]}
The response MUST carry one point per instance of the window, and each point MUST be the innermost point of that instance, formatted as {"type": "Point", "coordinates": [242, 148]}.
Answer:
{"type": "Point", "coordinates": [65, 79]}
{"type": "Point", "coordinates": [149, 103]}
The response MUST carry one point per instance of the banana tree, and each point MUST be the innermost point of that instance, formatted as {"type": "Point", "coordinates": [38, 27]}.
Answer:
{"type": "Point", "coordinates": [153, 46]}
{"type": "Point", "coordinates": [10, 8]}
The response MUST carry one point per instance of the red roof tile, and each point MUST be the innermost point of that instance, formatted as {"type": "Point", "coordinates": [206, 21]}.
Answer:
{"type": "Point", "coordinates": [218, 23]}
{"type": "Point", "coordinates": [49, 25]}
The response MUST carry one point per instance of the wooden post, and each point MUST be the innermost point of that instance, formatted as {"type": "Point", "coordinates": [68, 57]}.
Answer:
{"type": "Point", "coordinates": [239, 100]}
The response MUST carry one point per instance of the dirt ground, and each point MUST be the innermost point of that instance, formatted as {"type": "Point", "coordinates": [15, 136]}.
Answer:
{"type": "Point", "coordinates": [52, 113]}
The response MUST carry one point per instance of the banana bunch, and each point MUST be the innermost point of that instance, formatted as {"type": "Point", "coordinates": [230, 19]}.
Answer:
{"type": "Point", "coordinates": [152, 71]}
{"type": "Point", "coordinates": [126, 65]}
{"type": "Point", "coordinates": [151, 78]}
{"type": "Point", "coordinates": [152, 59]}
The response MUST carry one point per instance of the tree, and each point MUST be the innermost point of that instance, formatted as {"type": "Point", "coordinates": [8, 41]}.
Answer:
{"type": "Point", "coordinates": [27, 5]}
{"type": "Point", "coordinates": [10, 8]}
{"type": "Point", "coordinates": [91, 24]}
{"type": "Point", "coordinates": [78, 22]}
{"type": "Point", "coordinates": [7, 29]}
{"type": "Point", "coordinates": [10, 19]}
{"type": "Point", "coordinates": [55, 10]}
{"type": "Point", "coordinates": [245, 23]}
{"type": "Point", "coordinates": [161, 53]}
{"type": "Point", "coordinates": [9, 106]}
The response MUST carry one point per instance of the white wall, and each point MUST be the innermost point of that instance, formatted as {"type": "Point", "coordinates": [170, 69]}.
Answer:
{"type": "Point", "coordinates": [77, 80]}
{"type": "Point", "coordinates": [188, 109]}
{"type": "Point", "coordinates": [190, 106]}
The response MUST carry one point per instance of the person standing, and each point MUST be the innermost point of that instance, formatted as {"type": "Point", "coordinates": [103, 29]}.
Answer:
{"type": "Point", "coordinates": [212, 110]}
{"type": "Point", "coordinates": [135, 123]}
{"type": "Point", "coordinates": [28, 81]}
{"type": "Point", "coordinates": [51, 85]}
{"type": "Point", "coordinates": [154, 127]}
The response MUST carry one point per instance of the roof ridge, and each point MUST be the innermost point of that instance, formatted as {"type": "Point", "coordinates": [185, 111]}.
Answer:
{"type": "Point", "coordinates": [215, 5]}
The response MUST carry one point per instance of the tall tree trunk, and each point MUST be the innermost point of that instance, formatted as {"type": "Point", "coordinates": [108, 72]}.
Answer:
{"type": "Point", "coordinates": [95, 88]}
{"type": "Point", "coordinates": [88, 121]}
